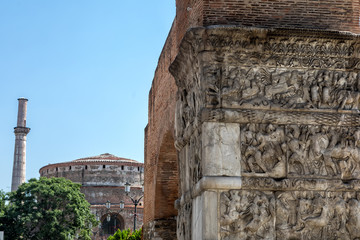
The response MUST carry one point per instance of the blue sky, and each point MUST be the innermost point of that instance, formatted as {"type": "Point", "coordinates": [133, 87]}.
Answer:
{"type": "Point", "coordinates": [86, 67]}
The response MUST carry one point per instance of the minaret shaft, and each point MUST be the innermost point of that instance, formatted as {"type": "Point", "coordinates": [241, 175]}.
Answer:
{"type": "Point", "coordinates": [19, 167]}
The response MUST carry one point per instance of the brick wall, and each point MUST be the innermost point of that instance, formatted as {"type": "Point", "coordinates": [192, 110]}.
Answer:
{"type": "Point", "coordinates": [159, 139]}
{"type": "Point", "coordinates": [340, 15]}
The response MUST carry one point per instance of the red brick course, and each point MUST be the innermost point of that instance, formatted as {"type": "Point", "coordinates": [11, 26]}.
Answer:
{"type": "Point", "coordinates": [160, 154]}
{"type": "Point", "coordinates": [310, 14]}
{"type": "Point", "coordinates": [338, 15]}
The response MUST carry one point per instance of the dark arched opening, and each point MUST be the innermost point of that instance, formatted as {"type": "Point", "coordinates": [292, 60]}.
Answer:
{"type": "Point", "coordinates": [110, 227]}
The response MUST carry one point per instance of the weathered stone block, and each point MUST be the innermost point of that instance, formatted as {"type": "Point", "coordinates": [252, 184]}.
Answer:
{"type": "Point", "coordinates": [204, 216]}
{"type": "Point", "coordinates": [221, 152]}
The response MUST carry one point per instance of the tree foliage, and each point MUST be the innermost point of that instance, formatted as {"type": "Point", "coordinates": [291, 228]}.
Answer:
{"type": "Point", "coordinates": [126, 235]}
{"type": "Point", "coordinates": [2, 203]}
{"type": "Point", "coordinates": [47, 208]}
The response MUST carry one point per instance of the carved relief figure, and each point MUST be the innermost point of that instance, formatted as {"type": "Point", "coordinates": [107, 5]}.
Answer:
{"type": "Point", "coordinates": [317, 215]}
{"type": "Point", "coordinates": [247, 215]}
{"type": "Point", "coordinates": [346, 154]}
{"type": "Point", "coordinates": [290, 88]}
{"type": "Point", "coordinates": [263, 150]}
{"type": "Point", "coordinates": [330, 151]}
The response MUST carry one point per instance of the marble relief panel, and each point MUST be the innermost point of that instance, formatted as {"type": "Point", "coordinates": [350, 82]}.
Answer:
{"type": "Point", "coordinates": [292, 88]}
{"type": "Point", "coordinates": [263, 150]}
{"type": "Point", "coordinates": [302, 215]}
{"type": "Point", "coordinates": [276, 151]}
{"type": "Point", "coordinates": [317, 215]}
{"type": "Point", "coordinates": [247, 215]}
{"type": "Point", "coordinates": [323, 151]}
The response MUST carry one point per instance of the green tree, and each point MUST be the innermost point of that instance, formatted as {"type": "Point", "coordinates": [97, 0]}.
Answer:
{"type": "Point", "coordinates": [2, 203]}
{"type": "Point", "coordinates": [47, 208]}
{"type": "Point", "coordinates": [126, 235]}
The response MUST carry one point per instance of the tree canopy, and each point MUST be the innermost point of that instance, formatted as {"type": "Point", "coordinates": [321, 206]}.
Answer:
{"type": "Point", "coordinates": [47, 208]}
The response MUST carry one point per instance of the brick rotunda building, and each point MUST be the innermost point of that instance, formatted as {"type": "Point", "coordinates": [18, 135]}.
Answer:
{"type": "Point", "coordinates": [103, 179]}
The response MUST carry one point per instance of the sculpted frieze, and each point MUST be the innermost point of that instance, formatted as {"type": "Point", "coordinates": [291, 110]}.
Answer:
{"type": "Point", "coordinates": [188, 105]}
{"type": "Point", "coordinates": [311, 47]}
{"type": "Point", "coordinates": [249, 59]}
{"type": "Point", "coordinates": [190, 167]}
{"type": "Point", "coordinates": [293, 100]}
{"type": "Point", "coordinates": [323, 151]}
{"type": "Point", "coordinates": [308, 44]}
{"type": "Point", "coordinates": [258, 115]}
{"type": "Point", "coordinates": [247, 215]}
{"type": "Point", "coordinates": [245, 68]}
{"type": "Point", "coordinates": [252, 214]}
{"type": "Point", "coordinates": [263, 150]}
{"type": "Point", "coordinates": [317, 215]}
{"type": "Point", "coordinates": [275, 151]}
{"type": "Point", "coordinates": [291, 184]}
{"type": "Point", "coordinates": [289, 88]}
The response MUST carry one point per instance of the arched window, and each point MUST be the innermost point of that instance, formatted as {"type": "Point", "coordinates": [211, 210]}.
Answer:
{"type": "Point", "coordinates": [110, 227]}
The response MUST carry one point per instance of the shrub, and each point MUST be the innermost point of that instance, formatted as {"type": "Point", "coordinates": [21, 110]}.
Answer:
{"type": "Point", "coordinates": [126, 235]}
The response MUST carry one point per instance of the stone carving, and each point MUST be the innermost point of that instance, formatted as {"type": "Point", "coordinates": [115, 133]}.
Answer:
{"type": "Point", "coordinates": [292, 184]}
{"type": "Point", "coordinates": [287, 88]}
{"type": "Point", "coordinates": [263, 150]}
{"type": "Point", "coordinates": [318, 47]}
{"type": "Point", "coordinates": [187, 111]}
{"type": "Point", "coordinates": [247, 215]}
{"type": "Point", "coordinates": [252, 214]}
{"type": "Point", "coordinates": [190, 168]}
{"type": "Point", "coordinates": [317, 215]}
{"type": "Point", "coordinates": [280, 117]}
{"type": "Point", "coordinates": [183, 223]}
{"type": "Point", "coordinates": [195, 168]}
{"type": "Point", "coordinates": [212, 74]}
{"type": "Point", "coordinates": [295, 95]}
{"type": "Point", "coordinates": [323, 151]}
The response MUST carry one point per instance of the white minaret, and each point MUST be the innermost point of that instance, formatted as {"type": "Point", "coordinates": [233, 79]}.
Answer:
{"type": "Point", "coordinates": [19, 168]}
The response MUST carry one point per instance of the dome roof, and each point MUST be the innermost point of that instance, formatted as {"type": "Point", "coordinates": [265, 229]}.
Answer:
{"type": "Point", "coordinates": [106, 157]}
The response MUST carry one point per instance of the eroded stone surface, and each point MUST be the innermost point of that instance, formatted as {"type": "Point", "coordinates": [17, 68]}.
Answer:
{"type": "Point", "coordinates": [220, 149]}
{"type": "Point", "coordinates": [247, 215]}
{"type": "Point", "coordinates": [279, 111]}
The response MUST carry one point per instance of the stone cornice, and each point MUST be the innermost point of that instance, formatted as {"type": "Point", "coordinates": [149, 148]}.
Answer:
{"type": "Point", "coordinates": [23, 130]}
{"type": "Point", "coordinates": [214, 38]}
{"type": "Point", "coordinates": [282, 117]}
